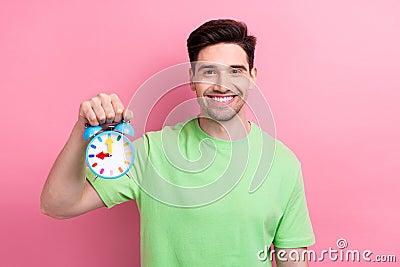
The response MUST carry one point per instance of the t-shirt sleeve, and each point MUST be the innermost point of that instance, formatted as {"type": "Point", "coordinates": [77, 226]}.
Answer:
{"type": "Point", "coordinates": [295, 229]}
{"type": "Point", "coordinates": [113, 191]}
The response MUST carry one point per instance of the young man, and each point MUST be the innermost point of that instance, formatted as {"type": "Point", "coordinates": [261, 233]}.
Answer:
{"type": "Point", "coordinates": [232, 229]}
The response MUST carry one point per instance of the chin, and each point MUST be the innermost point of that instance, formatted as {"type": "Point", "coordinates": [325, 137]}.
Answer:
{"type": "Point", "coordinates": [222, 116]}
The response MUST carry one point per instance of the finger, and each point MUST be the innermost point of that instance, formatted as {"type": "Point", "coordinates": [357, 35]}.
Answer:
{"type": "Point", "coordinates": [107, 107]}
{"type": "Point", "coordinates": [86, 114]}
{"type": "Point", "coordinates": [117, 106]}
{"type": "Point", "coordinates": [127, 115]}
{"type": "Point", "coordinates": [98, 110]}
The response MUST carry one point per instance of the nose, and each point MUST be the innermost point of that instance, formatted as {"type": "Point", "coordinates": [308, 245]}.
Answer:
{"type": "Point", "coordinates": [222, 83]}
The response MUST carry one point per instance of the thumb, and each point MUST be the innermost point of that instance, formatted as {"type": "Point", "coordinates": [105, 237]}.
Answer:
{"type": "Point", "coordinates": [127, 115]}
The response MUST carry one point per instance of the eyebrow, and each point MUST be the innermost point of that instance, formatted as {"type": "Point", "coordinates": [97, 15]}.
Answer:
{"type": "Point", "coordinates": [206, 67]}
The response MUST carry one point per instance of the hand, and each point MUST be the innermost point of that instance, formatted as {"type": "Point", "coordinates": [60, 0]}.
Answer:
{"type": "Point", "coordinates": [103, 109]}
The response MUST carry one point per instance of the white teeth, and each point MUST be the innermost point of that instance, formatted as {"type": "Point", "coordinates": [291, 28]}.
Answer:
{"type": "Point", "coordinates": [222, 99]}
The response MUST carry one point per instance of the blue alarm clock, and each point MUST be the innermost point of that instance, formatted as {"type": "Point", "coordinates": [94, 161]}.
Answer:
{"type": "Point", "coordinates": [110, 153]}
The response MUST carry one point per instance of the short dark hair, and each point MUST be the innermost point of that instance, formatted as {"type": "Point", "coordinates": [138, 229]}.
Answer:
{"type": "Point", "coordinates": [221, 31]}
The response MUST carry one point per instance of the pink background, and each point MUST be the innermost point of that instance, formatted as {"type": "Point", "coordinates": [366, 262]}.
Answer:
{"type": "Point", "coordinates": [329, 69]}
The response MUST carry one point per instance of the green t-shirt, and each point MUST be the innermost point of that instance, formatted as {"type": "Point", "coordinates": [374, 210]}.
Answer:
{"type": "Point", "coordinates": [196, 205]}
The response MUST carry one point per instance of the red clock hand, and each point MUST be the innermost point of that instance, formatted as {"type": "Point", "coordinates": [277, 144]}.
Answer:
{"type": "Point", "coordinates": [102, 155]}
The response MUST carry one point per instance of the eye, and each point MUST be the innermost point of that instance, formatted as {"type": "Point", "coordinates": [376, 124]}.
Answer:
{"type": "Point", "coordinates": [209, 72]}
{"type": "Point", "coordinates": [236, 71]}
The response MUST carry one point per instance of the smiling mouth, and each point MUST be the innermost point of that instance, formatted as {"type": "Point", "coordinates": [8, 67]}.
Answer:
{"type": "Point", "coordinates": [222, 99]}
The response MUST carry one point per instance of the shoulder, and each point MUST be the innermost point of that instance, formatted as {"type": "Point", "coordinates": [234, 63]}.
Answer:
{"type": "Point", "coordinates": [181, 128]}
{"type": "Point", "coordinates": [286, 155]}
{"type": "Point", "coordinates": [285, 164]}
{"type": "Point", "coordinates": [165, 132]}
{"type": "Point", "coordinates": [283, 156]}
{"type": "Point", "coordinates": [168, 134]}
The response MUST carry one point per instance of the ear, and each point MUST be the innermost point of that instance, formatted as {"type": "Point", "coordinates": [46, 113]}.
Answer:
{"type": "Point", "coordinates": [253, 74]}
{"type": "Point", "coordinates": [253, 78]}
{"type": "Point", "coordinates": [192, 84]}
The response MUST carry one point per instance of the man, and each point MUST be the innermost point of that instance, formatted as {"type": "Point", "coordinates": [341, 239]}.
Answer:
{"type": "Point", "coordinates": [231, 229]}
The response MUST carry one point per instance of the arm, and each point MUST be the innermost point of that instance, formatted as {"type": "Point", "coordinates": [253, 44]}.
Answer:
{"type": "Point", "coordinates": [294, 233]}
{"type": "Point", "coordinates": [66, 192]}
{"type": "Point", "coordinates": [286, 257]}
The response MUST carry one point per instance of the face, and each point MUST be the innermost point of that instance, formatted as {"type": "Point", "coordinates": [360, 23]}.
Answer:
{"type": "Point", "coordinates": [221, 79]}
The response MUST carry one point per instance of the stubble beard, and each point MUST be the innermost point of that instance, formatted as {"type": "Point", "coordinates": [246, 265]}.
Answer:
{"type": "Point", "coordinates": [223, 113]}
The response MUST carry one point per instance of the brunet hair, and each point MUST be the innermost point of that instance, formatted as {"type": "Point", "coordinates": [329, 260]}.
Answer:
{"type": "Point", "coordinates": [221, 31]}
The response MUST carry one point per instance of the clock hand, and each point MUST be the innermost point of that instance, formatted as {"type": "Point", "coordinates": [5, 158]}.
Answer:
{"type": "Point", "coordinates": [109, 143]}
{"type": "Point", "coordinates": [102, 155]}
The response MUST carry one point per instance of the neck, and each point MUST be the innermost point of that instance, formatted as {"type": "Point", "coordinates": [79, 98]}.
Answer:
{"type": "Point", "coordinates": [234, 129]}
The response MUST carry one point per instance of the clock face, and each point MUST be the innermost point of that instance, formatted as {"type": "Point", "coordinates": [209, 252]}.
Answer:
{"type": "Point", "coordinates": [110, 154]}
